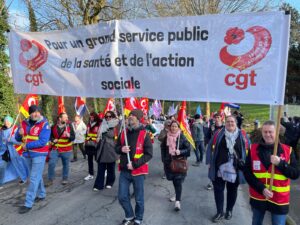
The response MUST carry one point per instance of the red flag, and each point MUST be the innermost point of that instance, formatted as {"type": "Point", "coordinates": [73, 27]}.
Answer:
{"type": "Point", "coordinates": [30, 99]}
{"type": "Point", "coordinates": [130, 104]}
{"type": "Point", "coordinates": [184, 125]}
{"type": "Point", "coordinates": [110, 105]}
{"type": "Point", "coordinates": [80, 106]}
{"type": "Point", "coordinates": [144, 105]}
{"type": "Point", "coordinates": [61, 105]}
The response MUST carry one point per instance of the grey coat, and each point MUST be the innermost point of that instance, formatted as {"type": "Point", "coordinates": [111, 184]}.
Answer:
{"type": "Point", "coordinates": [106, 148]}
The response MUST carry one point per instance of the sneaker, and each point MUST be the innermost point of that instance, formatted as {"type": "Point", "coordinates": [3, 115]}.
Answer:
{"type": "Point", "coordinates": [217, 218]}
{"type": "Point", "coordinates": [49, 183]}
{"type": "Point", "coordinates": [196, 164]}
{"type": "Point", "coordinates": [228, 215]}
{"type": "Point", "coordinates": [21, 182]}
{"type": "Point", "coordinates": [108, 186]}
{"type": "Point", "coordinates": [89, 177]}
{"type": "Point", "coordinates": [23, 209]}
{"type": "Point", "coordinates": [127, 222]}
{"type": "Point", "coordinates": [172, 199]}
{"type": "Point", "coordinates": [73, 160]}
{"type": "Point", "coordinates": [209, 186]}
{"type": "Point", "coordinates": [64, 182]}
{"type": "Point", "coordinates": [177, 206]}
{"type": "Point", "coordinates": [163, 177]}
{"type": "Point", "coordinates": [96, 189]}
{"type": "Point", "coordinates": [137, 222]}
{"type": "Point", "coordinates": [38, 199]}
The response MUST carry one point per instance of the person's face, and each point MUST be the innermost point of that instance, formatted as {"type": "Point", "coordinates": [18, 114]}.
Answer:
{"type": "Point", "coordinates": [108, 116]}
{"type": "Point", "coordinates": [77, 119]}
{"type": "Point", "coordinates": [268, 133]}
{"type": "Point", "coordinates": [63, 119]}
{"type": "Point", "coordinates": [35, 116]}
{"type": "Point", "coordinates": [218, 120]}
{"type": "Point", "coordinates": [132, 120]}
{"type": "Point", "coordinates": [230, 124]}
{"type": "Point", "coordinates": [7, 123]}
{"type": "Point", "coordinates": [92, 118]}
{"type": "Point", "coordinates": [174, 128]}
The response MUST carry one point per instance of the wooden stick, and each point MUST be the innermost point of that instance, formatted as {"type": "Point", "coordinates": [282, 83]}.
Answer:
{"type": "Point", "coordinates": [276, 144]}
{"type": "Point", "coordinates": [124, 127]}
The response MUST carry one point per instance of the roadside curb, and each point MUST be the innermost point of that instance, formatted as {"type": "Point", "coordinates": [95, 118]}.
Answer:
{"type": "Point", "coordinates": [290, 221]}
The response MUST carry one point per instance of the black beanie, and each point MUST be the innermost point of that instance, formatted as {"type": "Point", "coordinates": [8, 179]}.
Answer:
{"type": "Point", "coordinates": [33, 108]}
{"type": "Point", "coordinates": [137, 113]}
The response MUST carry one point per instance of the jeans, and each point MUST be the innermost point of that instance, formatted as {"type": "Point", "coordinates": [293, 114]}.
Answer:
{"type": "Point", "coordinates": [258, 217]}
{"type": "Point", "coordinates": [36, 185]}
{"type": "Point", "coordinates": [65, 158]}
{"type": "Point", "coordinates": [111, 175]}
{"type": "Point", "coordinates": [124, 196]}
{"type": "Point", "coordinates": [3, 165]}
{"type": "Point", "coordinates": [75, 148]}
{"type": "Point", "coordinates": [219, 187]}
{"type": "Point", "coordinates": [199, 151]}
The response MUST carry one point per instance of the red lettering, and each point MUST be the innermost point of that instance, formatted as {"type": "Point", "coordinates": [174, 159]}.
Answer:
{"type": "Point", "coordinates": [241, 81]}
{"type": "Point", "coordinates": [227, 79]}
{"type": "Point", "coordinates": [35, 79]}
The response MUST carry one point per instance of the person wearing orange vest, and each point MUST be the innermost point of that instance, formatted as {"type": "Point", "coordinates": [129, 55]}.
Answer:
{"type": "Point", "coordinates": [62, 135]}
{"type": "Point", "coordinates": [35, 134]}
{"type": "Point", "coordinates": [140, 150]}
{"type": "Point", "coordinates": [258, 173]}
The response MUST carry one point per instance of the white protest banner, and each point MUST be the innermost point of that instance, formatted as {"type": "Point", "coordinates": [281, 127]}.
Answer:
{"type": "Point", "coordinates": [217, 58]}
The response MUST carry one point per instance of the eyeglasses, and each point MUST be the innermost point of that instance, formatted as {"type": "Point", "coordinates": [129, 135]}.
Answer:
{"type": "Point", "coordinates": [106, 117]}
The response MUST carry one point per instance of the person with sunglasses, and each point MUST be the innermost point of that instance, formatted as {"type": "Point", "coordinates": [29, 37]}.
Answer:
{"type": "Point", "coordinates": [106, 156]}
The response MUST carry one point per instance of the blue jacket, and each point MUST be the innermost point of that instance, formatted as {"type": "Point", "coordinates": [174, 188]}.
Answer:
{"type": "Point", "coordinates": [212, 153]}
{"type": "Point", "coordinates": [44, 138]}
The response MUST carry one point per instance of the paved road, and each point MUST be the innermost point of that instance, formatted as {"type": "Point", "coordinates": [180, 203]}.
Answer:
{"type": "Point", "coordinates": [76, 203]}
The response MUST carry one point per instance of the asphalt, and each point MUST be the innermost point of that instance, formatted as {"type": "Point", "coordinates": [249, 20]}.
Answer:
{"type": "Point", "coordinates": [77, 203]}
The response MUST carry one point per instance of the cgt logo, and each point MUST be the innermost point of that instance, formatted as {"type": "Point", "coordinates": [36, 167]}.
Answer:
{"type": "Point", "coordinates": [33, 56]}
{"type": "Point", "coordinates": [261, 46]}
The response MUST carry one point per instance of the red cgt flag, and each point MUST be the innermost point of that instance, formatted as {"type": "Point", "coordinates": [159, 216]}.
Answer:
{"type": "Point", "coordinates": [144, 105]}
{"type": "Point", "coordinates": [31, 99]}
{"type": "Point", "coordinates": [130, 104]}
{"type": "Point", "coordinates": [184, 125]}
{"type": "Point", "coordinates": [110, 105]}
{"type": "Point", "coordinates": [61, 105]}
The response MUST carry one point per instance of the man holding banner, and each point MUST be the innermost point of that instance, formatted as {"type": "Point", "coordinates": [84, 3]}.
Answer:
{"type": "Point", "coordinates": [140, 151]}
{"type": "Point", "coordinates": [34, 133]}
{"type": "Point", "coordinates": [258, 173]}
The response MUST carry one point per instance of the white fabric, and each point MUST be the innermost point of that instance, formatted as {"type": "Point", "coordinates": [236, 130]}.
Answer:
{"type": "Point", "coordinates": [83, 62]}
{"type": "Point", "coordinates": [80, 131]}
{"type": "Point", "coordinates": [230, 138]}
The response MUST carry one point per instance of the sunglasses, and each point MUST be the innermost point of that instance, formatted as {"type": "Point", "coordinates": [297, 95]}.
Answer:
{"type": "Point", "coordinates": [107, 117]}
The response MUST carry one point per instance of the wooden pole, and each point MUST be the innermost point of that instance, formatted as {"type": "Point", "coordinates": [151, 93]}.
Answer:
{"type": "Point", "coordinates": [124, 127]}
{"type": "Point", "coordinates": [208, 109]}
{"type": "Point", "coordinates": [279, 111]}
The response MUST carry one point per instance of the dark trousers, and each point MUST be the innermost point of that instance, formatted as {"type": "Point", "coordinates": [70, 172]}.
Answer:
{"type": "Point", "coordinates": [219, 186]}
{"type": "Point", "coordinates": [178, 188]}
{"type": "Point", "coordinates": [75, 149]}
{"type": "Point", "coordinates": [91, 164]}
{"type": "Point", "coordinates": [199, 151]}
{"type": "Point", "coordinates": [111, 175]}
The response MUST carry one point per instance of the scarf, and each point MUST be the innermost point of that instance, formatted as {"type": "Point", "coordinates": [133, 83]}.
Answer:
{"type": "Point", "coordinates": [171, 141]}
{"type": "Point", "coordinates": [230, 138]}
{"type": "Point", "coordinates": [106, 125]}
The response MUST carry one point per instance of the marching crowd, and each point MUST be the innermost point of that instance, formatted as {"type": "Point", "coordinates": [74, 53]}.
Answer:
{"type": "Point", "coordinates": [221, 142]}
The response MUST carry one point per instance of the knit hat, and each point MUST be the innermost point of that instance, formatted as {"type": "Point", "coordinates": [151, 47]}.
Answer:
{"type": "Point", "coordinates": [137, 113]}
{"type": "Point", "coordinates": [33, 108]}
{"type": "Point", "coordinates": [9, 119]}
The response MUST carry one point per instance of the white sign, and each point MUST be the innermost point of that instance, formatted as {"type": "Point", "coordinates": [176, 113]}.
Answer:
{"type": "Point", "coordinates": [218, 58]}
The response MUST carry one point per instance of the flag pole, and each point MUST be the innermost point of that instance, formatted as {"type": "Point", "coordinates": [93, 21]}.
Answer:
{"type": "Point", "coordinates": [13, 126]}
{"type": "Point", "coordinates": [124, 127]}
{"type": "Point", "coordinates": [279, 111]}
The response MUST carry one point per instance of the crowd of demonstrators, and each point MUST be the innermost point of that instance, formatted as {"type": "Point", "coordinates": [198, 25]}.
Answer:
{"type": "Point", "coordinates": [149, 127]}
{"type": "Point", "coordinates": [62, 135]}
{"type": "Point", "coordinates": [80, 130]}
{"type": "Point", "coordinates": [91, 142]}
{"type": "Point", "coordinates": [198, 137]}
{"type": "Point", "coordinates": [239, 118]}
{"type": "Point", "coordinates": [292, 133]}
{"type": "Point", "coordinates": [226, 154]}
{"type": "Point", "coordinates": [140, 151]}
{"type": "Point", "coordinates": [106, 155]}
{"type": "Point", "coordinates": [257, 173]}
{"type": "Point", "coordinates": [35, 134]}
{"type": "Point", "coordinates": [175, 145]}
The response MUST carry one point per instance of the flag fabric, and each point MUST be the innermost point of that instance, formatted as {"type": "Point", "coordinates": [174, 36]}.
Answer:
{"type": "Point", "coordinates": [198, 110]}
{"type": "Point", "coordinates": [110, 105]}
{"type": "Point", "coordinates": [157, 108]}
{"type": "Point", "coordinates": [61, 105]}
{"type": "Point", "coordinates": [30, 99]}
{"type": "Point", "coordinates": [184, 125]}
{"type": "Point", "coordinates": [233, 105]}
{"type": "Point", "coordinates": [80, 106]}
{"type": "Point", "coordinates": [144, 105]}
{"type": "Point", "coordinates": [172, 110]}
{"type": "Point", "coordinates": [130, 104]}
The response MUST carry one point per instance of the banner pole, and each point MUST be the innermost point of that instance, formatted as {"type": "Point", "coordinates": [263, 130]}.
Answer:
{"type": "Point", "coordinates": [124, 127]}
{"type": "Point", "coordinates": [279, 111]}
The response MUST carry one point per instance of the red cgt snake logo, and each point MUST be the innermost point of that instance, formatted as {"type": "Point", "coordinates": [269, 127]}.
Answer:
{"type": "Point", "coordinates": [33, 54]}
{"type": "Point", "coordinates": [262, 44]}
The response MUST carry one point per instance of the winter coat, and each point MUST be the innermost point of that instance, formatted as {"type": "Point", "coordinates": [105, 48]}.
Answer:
{"type": "Point", "coordinates": [106, 148]}
{"type": "Point", "coordinates": [80, 131]}
{"type": "Point", "coordinates": [185, 149]}
{"type": "Point", "coordinates": [197, 131]}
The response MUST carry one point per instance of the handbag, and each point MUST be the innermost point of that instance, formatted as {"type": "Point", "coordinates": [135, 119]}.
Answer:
{"type": "Point", "coordinates": [179, 165]}
{"type": "Point", "coordinates": [91, 144]}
